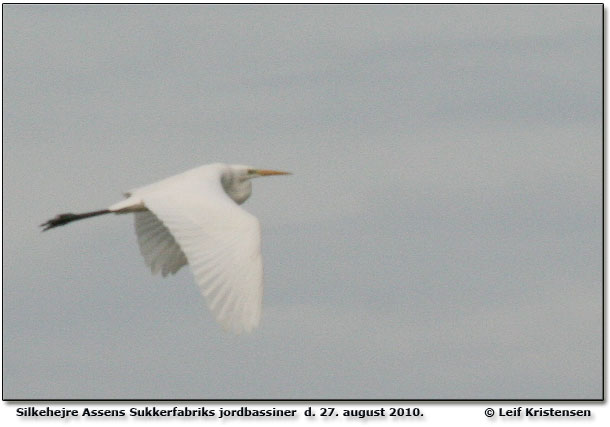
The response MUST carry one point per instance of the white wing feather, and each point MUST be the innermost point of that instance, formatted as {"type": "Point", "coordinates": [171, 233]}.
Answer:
{"type": "Point", "coordinates": [221, 242]}
{"type": "Point", "coordinates": [157, 245]}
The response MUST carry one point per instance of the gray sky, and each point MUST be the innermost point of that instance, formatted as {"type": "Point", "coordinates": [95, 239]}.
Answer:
{"type": "Point", "coordinates": [440, 236]}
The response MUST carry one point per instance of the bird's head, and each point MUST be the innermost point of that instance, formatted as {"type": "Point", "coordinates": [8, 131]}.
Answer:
{"type": "Point", "coordinates": [236, 180]}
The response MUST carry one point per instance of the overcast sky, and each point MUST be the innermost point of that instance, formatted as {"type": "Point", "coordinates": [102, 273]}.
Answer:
{"type": "Point", "coordinates": [440, 237]}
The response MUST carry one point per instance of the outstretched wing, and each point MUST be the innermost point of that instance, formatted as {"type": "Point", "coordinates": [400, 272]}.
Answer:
{"type": "Point", "coordinates": [157, 245]}
{"type": "Point", "coordinates": [221, 242]}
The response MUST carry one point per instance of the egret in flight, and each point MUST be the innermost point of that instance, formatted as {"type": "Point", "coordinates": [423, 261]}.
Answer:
{"type": "Point", "coordinates": [194, 218]}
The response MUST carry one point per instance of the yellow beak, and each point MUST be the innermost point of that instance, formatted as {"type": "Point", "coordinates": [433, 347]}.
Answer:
{"type": "Point", "coordinates": [265, 172]}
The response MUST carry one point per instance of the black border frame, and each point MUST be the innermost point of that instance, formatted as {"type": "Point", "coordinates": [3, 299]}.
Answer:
{"type": "Point", "coordinates": [13, 402]}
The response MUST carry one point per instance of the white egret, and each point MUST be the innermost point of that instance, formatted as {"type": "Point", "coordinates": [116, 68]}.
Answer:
{"type": "Point", "coordinates": [194, 218]}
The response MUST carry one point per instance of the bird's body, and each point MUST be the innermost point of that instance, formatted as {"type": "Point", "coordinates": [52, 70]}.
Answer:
{"type": "Point", "coordinates": [194, 218]}
{"type": "Point", "coordinates": [206, 179]}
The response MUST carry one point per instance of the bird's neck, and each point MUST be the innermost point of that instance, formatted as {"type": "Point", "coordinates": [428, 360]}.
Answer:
{"type": "Point", "coordinates": [237, 189]}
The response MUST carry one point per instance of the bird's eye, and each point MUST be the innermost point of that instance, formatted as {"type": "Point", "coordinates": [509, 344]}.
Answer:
{"type": "Point", "coordinates": [251, 171]}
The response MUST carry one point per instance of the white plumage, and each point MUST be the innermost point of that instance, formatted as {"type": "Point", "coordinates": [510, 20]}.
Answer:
{"type": "Point", "coordinates": [194, 218]}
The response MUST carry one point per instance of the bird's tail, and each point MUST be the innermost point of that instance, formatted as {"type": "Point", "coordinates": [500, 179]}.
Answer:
{"type": "Point", "coordinates": [63, 219]}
